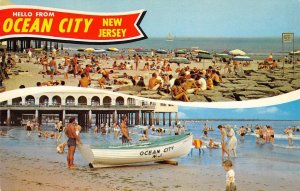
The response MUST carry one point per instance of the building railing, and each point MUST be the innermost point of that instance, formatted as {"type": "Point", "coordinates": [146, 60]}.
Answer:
{"type": "Point", "coordinates": [75, 106]}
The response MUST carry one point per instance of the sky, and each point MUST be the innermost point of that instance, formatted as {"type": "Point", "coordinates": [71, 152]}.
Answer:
{"type": "Point", "coordinates": [287, 111]}
{"type": "Point", "coordinates": [198, 18]}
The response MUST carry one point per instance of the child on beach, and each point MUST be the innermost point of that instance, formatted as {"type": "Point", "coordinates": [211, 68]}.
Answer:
{"type": "Point", "coordinates": [230, 180]}
{"type": "Point", "coordinates": [61, 148]}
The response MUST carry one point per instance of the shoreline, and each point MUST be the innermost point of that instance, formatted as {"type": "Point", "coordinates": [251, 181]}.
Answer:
{"type": "Point", "coordinates": [46, 170]}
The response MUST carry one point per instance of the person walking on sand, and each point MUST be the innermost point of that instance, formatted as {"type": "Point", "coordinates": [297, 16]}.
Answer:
{"type": "Point", "coordinates": [53, 66]}
{"type": "Point", "coordinates": [66, 67]}
{"type": "Point", "coordinates": [72, 139]}
{"type": "Point", "coordinates": [136, 60]}
{"type": "Point", "coordinates": [29, 55]}
{"type": "Point", "coordinates": [230, 180]}
{"type": "Point", "coordinates": [74, 63]}
{"type": "Point", "coordinates": [124, 130]}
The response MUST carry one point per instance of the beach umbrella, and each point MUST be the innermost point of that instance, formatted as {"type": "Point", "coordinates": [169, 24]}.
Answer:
{"type": "Point", "coordinates": [112, 49]}
{"type": "Point", "coordinates": [179, 60]}
{"type": "Point", "coordinates": [237, 52]}
{"type": "Point", "coordinates": [89, 50]}
{"type": "Point", "coordinates": [181, 51]}
{"type": "Point", "coordinates": [141, 50]}
{"type": "Point", "coordinates": [99, 51]}
{"type": "Point", "coordinates": [242, 58]}
{"type": "Point", "coordinates": [80, 49]}
{"type": "Point", "coordinates": [201, 51]}
{"type": "Point", "coordinates": [204, 56]}
{"type": "Point", "coordinates": [225, 56]}
{"type": "Point", "coordinates": [161, 51]}
{"type": "Point", "coordinates": [297, 52]}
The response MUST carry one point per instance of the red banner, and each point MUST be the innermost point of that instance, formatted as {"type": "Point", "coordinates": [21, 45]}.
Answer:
{"type": "Point", "coordinates": [72, 26]}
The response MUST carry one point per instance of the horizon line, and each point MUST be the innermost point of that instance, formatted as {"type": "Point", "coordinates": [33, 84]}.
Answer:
{"type": "Point", "coordinates": [220, 36]}
{"type": "Point", "coordinates": [226, 119]}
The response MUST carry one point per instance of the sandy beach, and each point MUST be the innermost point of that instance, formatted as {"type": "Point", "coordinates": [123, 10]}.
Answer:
{"type": "Point", "coordinates": [252, 83]}
{"type": "Point", "coordinates": [33, 164]}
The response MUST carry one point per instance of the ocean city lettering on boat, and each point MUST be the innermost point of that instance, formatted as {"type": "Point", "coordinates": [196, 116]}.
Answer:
{"type": "Point", "coordinates": [156, 151]}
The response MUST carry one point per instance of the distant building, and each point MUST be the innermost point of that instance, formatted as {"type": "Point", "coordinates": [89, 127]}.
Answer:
{"type": "Point", "coordinates": [89, 108]}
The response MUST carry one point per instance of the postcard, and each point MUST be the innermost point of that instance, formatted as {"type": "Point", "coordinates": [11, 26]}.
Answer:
{"type": "Point", "coordinates": [149, 95]}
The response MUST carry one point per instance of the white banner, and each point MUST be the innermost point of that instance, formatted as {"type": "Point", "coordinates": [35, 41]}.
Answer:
{"type": "Point", "coordinates": [287, 37]}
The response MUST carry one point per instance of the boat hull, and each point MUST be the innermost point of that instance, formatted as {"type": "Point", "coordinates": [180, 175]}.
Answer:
{"type": "Point", "coordinates": [130, 154]}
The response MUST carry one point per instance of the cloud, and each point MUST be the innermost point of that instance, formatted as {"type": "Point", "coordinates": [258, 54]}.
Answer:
{"type": "Point", "coordinates": [268, 110]}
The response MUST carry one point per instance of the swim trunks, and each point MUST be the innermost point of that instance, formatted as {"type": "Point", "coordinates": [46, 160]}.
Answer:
{"type": "Point", "coordinates": [28, 128]}
{"type": "Point", "coordinates": [124, 139]}
{"type": "Point", "coordinates": [66, 68]}
{"type": "Point", "coordinates": [242, 134]}
{"type": "Point", "coordinates": [71, 142]}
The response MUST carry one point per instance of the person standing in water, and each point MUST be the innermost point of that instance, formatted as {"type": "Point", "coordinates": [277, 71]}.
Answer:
{"type": "Point", "coordinates": [205, 130]}
{"type": "Point", "coordinates": [232, 141]}
{"type": "Point", "coordinates": [223, 140]}
{"type": "Point", "coordinates": [290, 136]}
{"type": "Point", "coordinates": [72, 139]}
{"type": "Point", "coordinates": [28, 128]}
{"type": "Point", "coordinates": [124, 130]}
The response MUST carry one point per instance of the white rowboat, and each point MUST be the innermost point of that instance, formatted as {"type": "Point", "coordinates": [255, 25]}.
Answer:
{"type": "Point", "coordinates": [160, 150]}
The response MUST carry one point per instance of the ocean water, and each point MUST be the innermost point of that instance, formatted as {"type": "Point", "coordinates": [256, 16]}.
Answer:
{"type": "Point", "coordinates": [251, 156]}
{"type": "Point", "coordinates": [255, 47]}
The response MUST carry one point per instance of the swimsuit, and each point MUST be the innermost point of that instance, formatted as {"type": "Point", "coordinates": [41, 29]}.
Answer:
{"type": "Point", "coordinates": [71, 142]}
{"type": "Point", "coordinates": [242, 134]}
{"type": "Point", "coordinates": [28, 128]}
{"type": "Point", "coordinates": [124, 139]}
{"type": "Point", "coordinates": [66, 69]}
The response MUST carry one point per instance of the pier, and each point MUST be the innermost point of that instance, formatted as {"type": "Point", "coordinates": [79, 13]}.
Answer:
{"type": "Point", "coordinates": [89, 109]}
{"type": "Point", "coordinates": [24, 44]}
